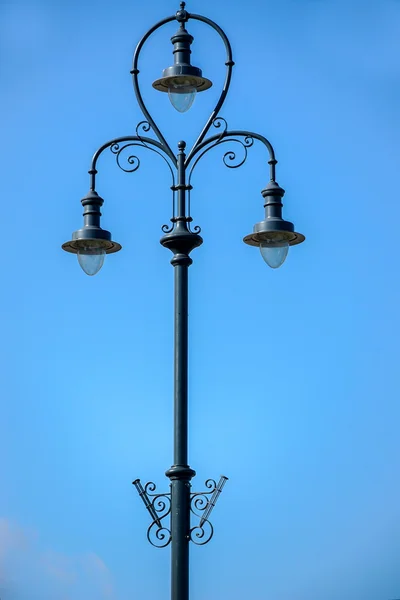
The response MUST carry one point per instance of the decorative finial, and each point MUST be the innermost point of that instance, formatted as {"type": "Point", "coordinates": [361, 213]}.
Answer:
{"type": "Point", "coordinates": [182, 15]}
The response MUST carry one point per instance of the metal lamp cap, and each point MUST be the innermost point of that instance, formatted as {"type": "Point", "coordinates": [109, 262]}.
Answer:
{"type": "Point", "coordinates": [91, 236]}
{"type": "Point", "coordinates": [274, 230]}
{"type": "Point", "coordinates": [182, 74]}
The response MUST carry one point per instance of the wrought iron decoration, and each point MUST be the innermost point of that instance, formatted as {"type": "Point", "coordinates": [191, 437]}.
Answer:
{"type": "Point", "coordinates": [172, 513]}
{"type": "Point", "coordinates": [182, 165]}
{"type": "Point", "coordinates": [159, 507]}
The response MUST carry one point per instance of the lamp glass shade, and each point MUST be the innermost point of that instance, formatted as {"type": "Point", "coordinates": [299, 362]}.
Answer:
{"type": "Point", "coordinates": [182, 95]}
{"type": "Point", "coordinates": [91, 258]}
{"type": "Point", "coordinates": [274, 253]}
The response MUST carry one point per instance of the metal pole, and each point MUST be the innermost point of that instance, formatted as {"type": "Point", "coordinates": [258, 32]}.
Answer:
{"type": "Point", "coordinates": [180, 486]}
{"type": "Point", "coordinates": [180, 473]}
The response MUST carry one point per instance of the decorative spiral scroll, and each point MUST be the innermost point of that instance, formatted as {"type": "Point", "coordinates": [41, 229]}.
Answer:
{"type": "Point", "coordinates": [149, 488]}
{"type": "Point", "coordinates": [199, 500]}
{"type": "Point", "coordinates": [231, 154]}
{"type": "Point", "coordinates": [159, 507]}
{"type": "Point", "coordinates": [230, 159]}
{"type": "Point", "coordinates": [144, 126]}
{"type": "Point", "coordinates": [196, 229]}
{"type": "Point", "coordinates": [202, 534]}
{"type": "Point", "coordinates": [131, 159]}
{"type": "Point", "coordinates": [202, 505]}
{"type": "Point", "coordinates": [168, 228]}
{"type": "Point", "coordinates": [158, 537]}
{"type": "Point", "coordinates": [220, 122]}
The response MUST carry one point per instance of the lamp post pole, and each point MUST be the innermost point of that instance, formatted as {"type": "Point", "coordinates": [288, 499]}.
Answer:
{"type": "Point", "coordinates": [181, 241]}
{"type": "Point", "coordinates": [172, 512]}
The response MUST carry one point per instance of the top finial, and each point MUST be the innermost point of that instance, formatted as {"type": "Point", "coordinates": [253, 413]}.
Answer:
{"type": "Point", "coordinates": [182, 15]}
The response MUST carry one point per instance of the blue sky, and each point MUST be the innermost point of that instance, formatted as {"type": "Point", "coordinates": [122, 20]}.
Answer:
{"type": "Point", "coordinates": [293, 373]}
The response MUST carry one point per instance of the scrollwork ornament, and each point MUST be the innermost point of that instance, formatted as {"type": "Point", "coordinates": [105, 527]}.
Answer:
{"type": "Point", "coordinates": [150, 487]}
{"type": "Point", "coordinates": [210, 484]}
{"type": "Point", "coordinates": [202, 505]}
{"type": "Point", "coordinates": [159, 507]}
{"type": "Point", "coordinates": [199, 500]}
{"type": "Point", "coordinates": [157, 534]}
{"type": "Point", "coordinates": [144, 126]}
{"type": "Point", "coordinates": [248, 141]}
{"type": "Point", "coordinates": [230, 156]}
{"type": "Point", "coordinates": [168, 228]}
{"type": "Point", "coordinates": [220, 122]}
{"type": "Point", "coordinates": [132, 159]}
{"type": "Point", "coordinates": [158, 537]}
{"type": "Point", "coordinates": [202, 534]}
{"type": "Point", "coordinates": [161, 503]}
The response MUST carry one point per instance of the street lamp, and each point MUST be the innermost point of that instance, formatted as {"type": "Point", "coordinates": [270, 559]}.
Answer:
{"type": "Point", "coordinates": [171, 521]}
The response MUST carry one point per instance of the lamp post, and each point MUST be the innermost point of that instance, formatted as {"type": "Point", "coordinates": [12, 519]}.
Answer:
{"type": "Point", "coordinates": [170, 513]}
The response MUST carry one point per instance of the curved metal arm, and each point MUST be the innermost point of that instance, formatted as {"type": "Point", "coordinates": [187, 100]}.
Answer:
{"type": "Point", "coordinates": [135, 73]}
{"type": "Point", "coordinates": [201, 146]}
{"type": "Point", "coordinates": [229, 65]}
{"type": "Point", "coordinates": [143, 141]}
{"type": "Point", "coordinates": [227, 135]}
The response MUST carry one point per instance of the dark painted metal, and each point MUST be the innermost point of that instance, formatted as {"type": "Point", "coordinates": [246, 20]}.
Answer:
{"type": "Point", "coordinates": [181, 240]}
{"type": "Point", "coordinates": [213, 500]}
{"type": "Point", "coordinates": [273, 228]}
{"type": "Point", "coordinates": [135, 72]}
{"type": "Point", "coordinates": [91, 232]}
{"type": "Point", "coordinates": [159, 507]}
{"type": "Point", "coordinates": [202, 506]}
{"type": "Point", "coordinates": [229, 66]}
{"type": "Point", "coordinates": [182, 69]}
{"type": "Point", "coordinates": [224, 135]}
{"type": "Point", "coordinates": [146, 142]}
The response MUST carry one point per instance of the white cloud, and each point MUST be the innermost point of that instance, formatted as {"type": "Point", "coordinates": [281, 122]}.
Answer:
{"type": "Point", "coordinates": [27, 569]}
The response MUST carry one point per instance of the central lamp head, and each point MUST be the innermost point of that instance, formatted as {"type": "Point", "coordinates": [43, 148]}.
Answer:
{"type": "Point", "coordinates": [182, 81]}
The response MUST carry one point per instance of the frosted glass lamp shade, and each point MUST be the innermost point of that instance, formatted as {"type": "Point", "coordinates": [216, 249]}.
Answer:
{"type": "Point", "coordinates": [182, 96]}
{"type": "Point", "coordinates": [274, 253]}
{"type": "Point", "coordinates": [91, 258]}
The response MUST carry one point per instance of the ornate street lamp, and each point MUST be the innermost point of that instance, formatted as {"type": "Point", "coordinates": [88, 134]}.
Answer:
{"type": "Point", "coordinates": [91, 243]}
